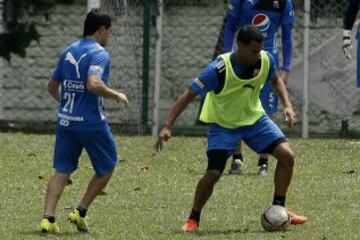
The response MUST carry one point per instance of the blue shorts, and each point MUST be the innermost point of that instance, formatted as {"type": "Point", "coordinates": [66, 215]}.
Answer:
{"type": "Point", "coordinates": [99, 144]}
{"type": "Point", "coordinates": [269, 99]}
{"type": "Point", "coordinates": [259, 136]}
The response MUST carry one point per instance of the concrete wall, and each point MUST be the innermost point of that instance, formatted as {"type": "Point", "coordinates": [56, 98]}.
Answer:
{"type": "Point", "coordinates": [189, 37]}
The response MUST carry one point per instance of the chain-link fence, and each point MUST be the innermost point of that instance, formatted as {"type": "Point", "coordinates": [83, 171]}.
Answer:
{"type": "Point", "coordinates": [191, 36]}
{"type": "Point", "coordinates": [333, 96]}
{"type": "Point", "coordinates": [25, 102]}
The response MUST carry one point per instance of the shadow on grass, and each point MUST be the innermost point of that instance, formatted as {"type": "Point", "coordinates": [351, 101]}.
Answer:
{"type": "Point", "coordinates": [35, 233]}
{"type": "Point", "coordinates": [250, 174]}
{"type": "Point", "coordinates": [216, 232]}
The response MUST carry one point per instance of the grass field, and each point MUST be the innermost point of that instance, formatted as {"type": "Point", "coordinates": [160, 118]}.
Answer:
{"type": "Point", "coordinates": [150, 195]}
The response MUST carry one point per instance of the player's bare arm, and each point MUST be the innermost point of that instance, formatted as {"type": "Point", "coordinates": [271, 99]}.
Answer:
{"type": "Point", "coordinates": [283, 76]}
{"type": "Point", "coordinates": [179, 106]}
{"type": "Point", "coordinates": [280, 89]}
{"type": "Point", "coordinates": [96, 86]}
{"type": "Point", "coordinates": [53, 88]}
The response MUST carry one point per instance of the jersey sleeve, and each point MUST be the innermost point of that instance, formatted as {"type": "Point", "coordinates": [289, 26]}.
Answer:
{"type": "Point", "coordinates": [287, 46]}
{"type": "Point", "coordinates": [232, 16]}
{"type": "Point", "coordinates": [272, 68]}
{"type": "Point", "coordinates": [57, 72]}
{"type": "Point", "coordinates": [98, 64]}
{"type": "Point", "coordinates": [207, 81]}
{"type": "Point", "coordinates": [229, 33]}
{"type": "Point", "coordinates": [288, 16]}
{"type": "Point", "coordinates": [233, 9]}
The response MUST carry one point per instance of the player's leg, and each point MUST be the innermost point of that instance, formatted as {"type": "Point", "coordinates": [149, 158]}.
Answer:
{"type": "Point", "coordinates": [54, 190]}
{"type": "Point", "coordinates": [216, 164]}
{"type": "Point", "coordinates": [78, 215]}
{"type": "Point", "coordinates": [101, 148]}
{"type": "Point", "coordinates": [221, 143]}
{"type": "Point", "coordinates": [263, 165]}
{"type": "Point", "coordinates": [266, 137]}
{"type": "Point", "coordinates": [67, 152]}
{"type": "Point", "coordinates": [284, 169]}
{"type": "Point", "coordinates": [283, 174]}
{"type": "Point", "coordinates": [96, 184]}
{"type": "Point", "coordinates": [269, 101]}
{"type": "Point", "coordinates": [237, 161]}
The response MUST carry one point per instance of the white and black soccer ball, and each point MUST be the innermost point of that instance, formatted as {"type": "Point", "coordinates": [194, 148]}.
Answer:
{"type": "Point", "coordinates": [275, 218]}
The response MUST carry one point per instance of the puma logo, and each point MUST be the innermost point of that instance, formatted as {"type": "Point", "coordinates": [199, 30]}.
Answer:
{"type": "Point", "coordinates": [249, 86]}
{"type": "Point", "coordinates": [72, 60]}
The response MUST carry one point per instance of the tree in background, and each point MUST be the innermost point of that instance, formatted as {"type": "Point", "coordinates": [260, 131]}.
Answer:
{"type": "Point", "coordinates": [20, 20]}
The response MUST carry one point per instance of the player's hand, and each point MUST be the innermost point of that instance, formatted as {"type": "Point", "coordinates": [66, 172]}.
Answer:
{"type": "Point", "coordinates": [290, 115]}
{"type": "Point", "coordinates": [347, 44]}
{"type": "Point", "coordinates": [164, 135]}
{"type": "Point", "coordinates": [123, 99]}
{"type": "Point", "coordinates": [283, 75]}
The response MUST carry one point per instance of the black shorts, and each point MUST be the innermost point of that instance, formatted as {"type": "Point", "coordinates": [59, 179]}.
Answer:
{"type": "Point", "coordinates": [217, 157]}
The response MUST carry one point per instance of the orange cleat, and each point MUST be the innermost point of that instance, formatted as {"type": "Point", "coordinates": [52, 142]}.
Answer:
{"type": "Point", "coordinates": [190, 226]}
{"type": "Point", "coordinates": [296, 219]}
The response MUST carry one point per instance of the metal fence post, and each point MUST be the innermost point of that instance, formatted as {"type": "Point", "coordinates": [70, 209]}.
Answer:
{"type": "Point", "coordinates": [155, 125]}
{"type": "Point", "coordinates": [145, 70]}
{"type": "Point", "coordinates": [306, 49]}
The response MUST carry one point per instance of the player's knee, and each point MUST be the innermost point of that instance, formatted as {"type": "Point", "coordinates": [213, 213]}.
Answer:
{"type": "Point", "coordinates": [217, 161]}
{"type": "Point", "coordinates": [104, 172]}
{"type": "Point", "coordinates": [287, 159]}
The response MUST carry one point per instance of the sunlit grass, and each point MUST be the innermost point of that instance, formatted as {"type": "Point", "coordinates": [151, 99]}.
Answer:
{"type": "Point", "coordinates": [150, 194]}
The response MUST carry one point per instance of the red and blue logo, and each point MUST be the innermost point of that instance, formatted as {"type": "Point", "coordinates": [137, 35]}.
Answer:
{"type": "Point", "coordinates": [261, 21]}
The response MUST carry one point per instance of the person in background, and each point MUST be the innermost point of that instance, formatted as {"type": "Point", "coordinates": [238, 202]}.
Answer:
{"type": "Point", "coordinates": [268, 16]}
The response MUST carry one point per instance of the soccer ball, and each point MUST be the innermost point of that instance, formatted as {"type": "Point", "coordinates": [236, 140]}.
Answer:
{"type": "Point", "coordinates": [275, 218]}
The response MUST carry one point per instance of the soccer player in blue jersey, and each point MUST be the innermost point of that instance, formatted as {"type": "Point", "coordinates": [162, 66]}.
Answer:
{"type": "Point", "coordinates": [267, 16]}
{"type": "Point", "coordinates": [232, 85]}
{"type": "Point", "coordinates": [349, 20]}
{"type": "Point", "coordinates": [82, 74]}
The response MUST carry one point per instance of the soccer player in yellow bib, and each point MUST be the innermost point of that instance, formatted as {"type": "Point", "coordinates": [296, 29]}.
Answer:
{"type": "Point", "coordinates": [234, 111]}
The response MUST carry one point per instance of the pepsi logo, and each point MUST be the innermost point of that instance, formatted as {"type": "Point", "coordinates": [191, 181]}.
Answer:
{"type": "Point", "coordinates": [261, 21]}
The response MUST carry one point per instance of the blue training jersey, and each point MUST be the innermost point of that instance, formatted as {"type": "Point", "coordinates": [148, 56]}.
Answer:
{"type": "Point", "coordinates": [267, 15]}
{"type": "Point", "coordinates": [209, 79]}
{"type": "Point", "coordinates": [79, 108]}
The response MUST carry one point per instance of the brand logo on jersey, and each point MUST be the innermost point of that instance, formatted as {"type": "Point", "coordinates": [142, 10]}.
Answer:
{"type": "Point", "coordinates": [64, 122]}
{"type": "Point", "coordinates": [249, 86]}
{"type": "Point", "coordinates": [72, 60]}
{"type": "Point", "coordinates": [261, 21]}
{"type": "Point", "coordinates": [71, 85]}
{"type": "Point", "coordinates": [276, 4]}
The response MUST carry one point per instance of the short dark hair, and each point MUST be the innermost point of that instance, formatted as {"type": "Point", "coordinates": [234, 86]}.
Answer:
{"type": "Point", "coordinates": [94, 20]}
{"type": "Point", "coordinates": [249, 33]}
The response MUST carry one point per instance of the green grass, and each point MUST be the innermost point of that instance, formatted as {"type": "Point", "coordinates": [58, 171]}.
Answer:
{"type": "Point", "coordinates": [153, 204]}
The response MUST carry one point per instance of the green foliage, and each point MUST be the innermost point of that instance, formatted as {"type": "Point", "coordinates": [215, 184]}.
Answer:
{"type": "Point", "coordinates": [20, 24]}
{"type": "Point", "coordinates": [17, 39]}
